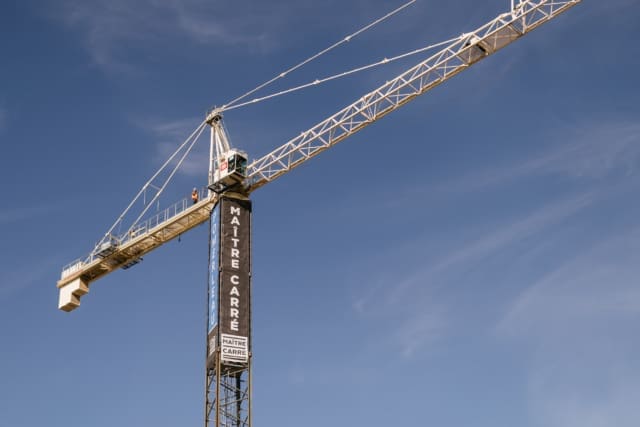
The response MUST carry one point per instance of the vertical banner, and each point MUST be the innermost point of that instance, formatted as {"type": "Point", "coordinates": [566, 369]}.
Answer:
{"type": "Point", "coordinates": [235, 280]}
{"type": "Point", "coordinates": [213, 285]}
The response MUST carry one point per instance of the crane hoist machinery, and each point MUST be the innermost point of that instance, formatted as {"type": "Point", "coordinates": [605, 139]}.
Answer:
{"type": "Point", "coordinates": [229, 166]}
{"type": "Point", "coordinates": [225, 203]}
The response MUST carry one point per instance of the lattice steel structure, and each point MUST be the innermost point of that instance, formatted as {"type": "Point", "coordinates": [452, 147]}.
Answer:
{"type": "Point", "coordinates": [228, 375]}
{"type": "Point", "coordinates": [468, 49]}
{"type": "Point", "coordinates": [228, 356]}
{"type": "Point", "coordinates": [228, 396]}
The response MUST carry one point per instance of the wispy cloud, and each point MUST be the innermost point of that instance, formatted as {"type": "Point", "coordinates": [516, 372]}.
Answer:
{"type": "Point", "coordinates": [202, 28]}
{"type": "Point", "coordinates": [590, 155]}
{"type": "Point", "coordinates": [420, 331]}
{"type": "Point", "coordinates": [473, 251]}
{"type": "Point", "coordinates": [595, 151]}
{"type": "Point", "coordinates": [170, 134]}
{"type": "Point", "coordinates": [410, 325]}
{"type": "Point", "coordinates": [613, 402]}
{"type": "Point", "coordinates": [25, 277]}
{"type": "Point", "coordinates": [115, 29]}
{"type": "Point", "coordinates": [579, 151]}
{"type": "Point", "coordinates": [600, 283]}
{"type": "Point", "coordinates": [506, 234]}
{"type": "Point", "coordinates": [580, 322]}
{"type": "Point", "coordinates": [119, 32]}
{"type": "Point", "coordinates": [414, 303]}
{"type": "Point", "coordinates": [9, 216]}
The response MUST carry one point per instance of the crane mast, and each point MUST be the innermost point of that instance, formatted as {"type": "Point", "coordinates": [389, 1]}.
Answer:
{"type": "Point", "coordinates": [225, 203]}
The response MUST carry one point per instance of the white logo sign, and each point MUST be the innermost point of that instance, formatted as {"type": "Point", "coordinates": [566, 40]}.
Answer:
{"type": "Point", "coordinates": [234, 348]}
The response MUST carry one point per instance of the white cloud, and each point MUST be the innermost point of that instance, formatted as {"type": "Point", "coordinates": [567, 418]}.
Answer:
{"type": "Point", "coordinates": [580, 151]}
{"type": "Point", "coordinates": [177, 129]}
{"type": "Point", "coordinates": [411, 326]}
{"type": "Point", "coordinates": [578, 322]}
{"type": "Point", "coordinates": [9, 216]}
{"type": "Point", "coordinates": [473, 251]}
{"type": "Point", "coordinates": [507, 234]}
{"type": "Point", "coordinates": [115, 29]}
{"type": "Point", "coordinates": [609, 401]}
{"type": "Point", "coordinates": [25, 277]}
{"type": "Point", "coordinates": [204, 30]}
{"type": "Point", "coordinates": [588, 155]}
{"type": "Point", "coordinates": [599, 284]}
{"type": "Point", "coordinates": [170, 134]}
{"type": "Point", "coordinates": [581, 322]}
{"type": "Point", "coordinates": [420, 330]}
{"type": "Point", "coordinates": [116, 32]}
{"type": "Point", "coordinates": [595, 151]}
{"type": "Point", "coordinates": [415, 306]}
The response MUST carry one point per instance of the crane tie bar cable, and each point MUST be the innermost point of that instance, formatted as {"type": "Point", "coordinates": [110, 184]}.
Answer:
{"type": "Point", "coordinates": [229, 105]}
{"type": "Point", "coordinates": [344, 74]}
{"type": "Point", "coordinates": [199, 131]}
{"type": "Point", "coordinates": [196, 133]}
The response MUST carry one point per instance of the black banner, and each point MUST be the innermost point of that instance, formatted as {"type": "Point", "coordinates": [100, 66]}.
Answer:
{"type": "Point", "coordinates": [235, 280]}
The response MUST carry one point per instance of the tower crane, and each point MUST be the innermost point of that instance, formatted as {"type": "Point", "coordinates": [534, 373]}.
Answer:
{"type": "Point", "coordinates": [227, 207]}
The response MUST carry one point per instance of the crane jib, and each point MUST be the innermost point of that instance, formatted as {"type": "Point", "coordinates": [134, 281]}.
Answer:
{"type": "Point", "coordinates": [448, 62]}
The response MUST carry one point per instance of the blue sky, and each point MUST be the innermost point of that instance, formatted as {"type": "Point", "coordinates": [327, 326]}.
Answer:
{"type": "Point", "coordinates": [471, 259]}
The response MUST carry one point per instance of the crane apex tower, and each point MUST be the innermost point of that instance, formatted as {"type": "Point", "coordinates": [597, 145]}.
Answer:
{"type": "Point", "coordinates": [228, 360]}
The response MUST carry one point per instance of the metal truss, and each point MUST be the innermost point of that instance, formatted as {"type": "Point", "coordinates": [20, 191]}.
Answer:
{"type": "Point", "coordinates": [129, 248]}
{"type": "Point", "coordinates": [228, 396]}
{"type": "Point", "coordinates": [228, 386]}
{"type": "Point", "coordinates": [459, 55]}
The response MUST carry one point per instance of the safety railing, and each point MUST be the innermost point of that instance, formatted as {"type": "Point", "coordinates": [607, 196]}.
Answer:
{"type": "Point", "coordinates": [137, 230]}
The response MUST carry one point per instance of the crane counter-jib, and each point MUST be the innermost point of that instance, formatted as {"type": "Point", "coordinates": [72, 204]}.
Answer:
{"type": "Point", "coordinates": [76, 277]}
{"type": "Point", "coordinates": [454, 58]}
